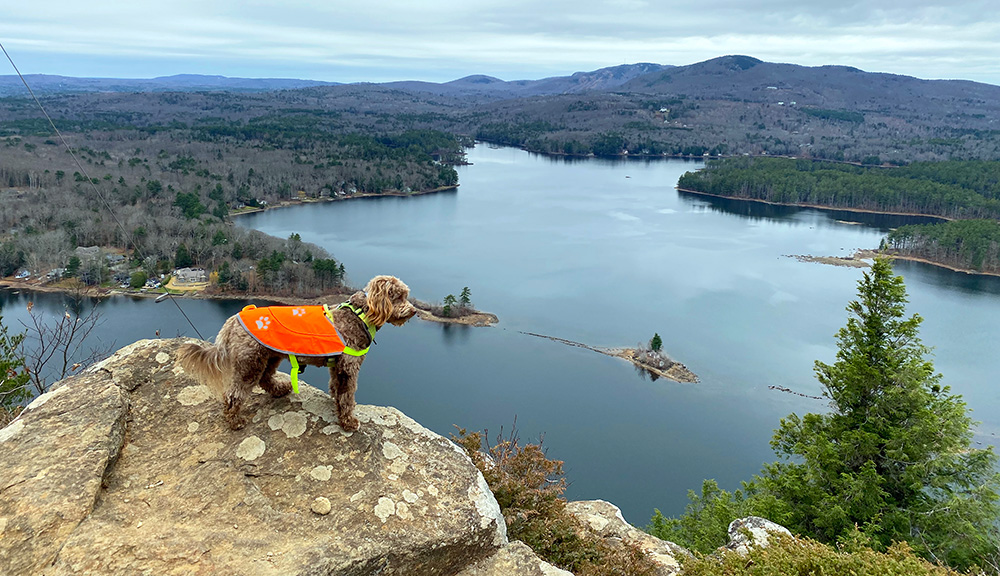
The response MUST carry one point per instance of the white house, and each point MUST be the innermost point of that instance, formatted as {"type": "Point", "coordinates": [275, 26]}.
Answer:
{"type": "Point", "coordinates": [190, 275]}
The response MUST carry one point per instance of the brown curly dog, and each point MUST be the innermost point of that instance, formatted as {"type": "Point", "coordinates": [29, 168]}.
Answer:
{"type": "Point", "coordinates": [237, 361]}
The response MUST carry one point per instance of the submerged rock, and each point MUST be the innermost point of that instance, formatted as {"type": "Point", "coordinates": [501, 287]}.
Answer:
{"type": "Point", "coordinates": [130, 468]}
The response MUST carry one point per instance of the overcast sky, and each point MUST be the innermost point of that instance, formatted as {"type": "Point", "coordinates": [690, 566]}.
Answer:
{"type": "Point", "coordinates": [381, 40]}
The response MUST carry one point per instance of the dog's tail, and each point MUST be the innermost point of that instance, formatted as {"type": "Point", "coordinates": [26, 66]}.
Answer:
{"type": "Point", "coordinates": [208, 364]}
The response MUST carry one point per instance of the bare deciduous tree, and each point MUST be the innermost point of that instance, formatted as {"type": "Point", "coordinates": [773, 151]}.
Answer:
{"type": "Point", "coordinates": [58, 346]}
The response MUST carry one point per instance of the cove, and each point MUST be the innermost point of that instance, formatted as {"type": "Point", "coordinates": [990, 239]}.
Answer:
{"type": "Point", "coordinates": [607, 253]}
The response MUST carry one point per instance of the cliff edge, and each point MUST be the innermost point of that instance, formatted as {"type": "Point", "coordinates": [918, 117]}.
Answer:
{"type": "Point", "coordinates": [129, 468]}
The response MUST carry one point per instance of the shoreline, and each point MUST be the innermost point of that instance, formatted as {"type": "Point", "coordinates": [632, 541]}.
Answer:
{"type": "Point", "coordinates": [858, 260]}
{"type": "Point", "coordinates": [945, 266]}
{"type": "Point", "coordinates": [476, 318]}
{"type": "Point", "coordinates": [676, 372]}
{"type": "Point", "coordinates": [816, 206]}
{"type": "Point", "coordinates": [853, 260]}
{"type": "Point", "coordinates": [289, 203]}
{"type": "Point", "coordinates": [584, 156]}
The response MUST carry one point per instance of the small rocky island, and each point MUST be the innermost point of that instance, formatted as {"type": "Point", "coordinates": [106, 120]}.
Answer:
{"type": "Point", "coordinates": [469, 318]}
{"type": "Point", "coordinates": [656, 363]}
{"type": "Point", "coordinates": [859, 259]}
{"type": "Point", "coordinates": [650, 359]}
{"type": "Point", "coordinates": [454, 310]}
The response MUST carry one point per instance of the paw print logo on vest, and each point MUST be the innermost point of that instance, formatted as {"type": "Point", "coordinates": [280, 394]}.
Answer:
{"type": "Point", "coordinates": [263, 322]}
{"type": "Point", "coordinates": [299, 312]}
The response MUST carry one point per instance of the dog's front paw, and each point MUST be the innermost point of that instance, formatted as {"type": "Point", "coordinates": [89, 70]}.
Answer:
{"type": "Point", "coordinates": [350, 424]}
{"type": "Point", "coordinates": [281, 385]}
{"type": "Point", "coordinates": [236, 422]}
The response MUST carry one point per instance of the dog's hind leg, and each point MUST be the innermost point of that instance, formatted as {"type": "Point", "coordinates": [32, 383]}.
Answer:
{"type": "Point", "coordinates": [233, 405]}
{"type": "Point", "coordinates": [271, 383]}
{"type": "Point", "coordinates": [246, 375]}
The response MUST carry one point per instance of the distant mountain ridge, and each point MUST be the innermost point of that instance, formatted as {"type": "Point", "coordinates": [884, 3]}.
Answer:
{"type": "Point", "coordinates": [734, 77]}
{"type": "Point", "coordinates": [743, 78]}
{"type": "Point", "coordinates": [728, 105]}
{"type": "Point", "coordinates": [11, 85]}
{"type": "Point", "coordinates": [596, 80]}
{"type": "Point", "coordinates": [489, 87]}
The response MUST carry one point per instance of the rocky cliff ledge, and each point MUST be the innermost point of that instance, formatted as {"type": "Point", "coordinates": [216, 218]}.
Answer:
{"type": "Point", "coordinates": [130, 469]}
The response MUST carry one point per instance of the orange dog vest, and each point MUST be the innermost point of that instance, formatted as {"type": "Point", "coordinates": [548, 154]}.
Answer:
{"type": "Point", "coordinates": [301, 330]}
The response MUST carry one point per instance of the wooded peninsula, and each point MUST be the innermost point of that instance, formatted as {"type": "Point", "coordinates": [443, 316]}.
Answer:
{"type": "Point", "coordinates": [966, 193]}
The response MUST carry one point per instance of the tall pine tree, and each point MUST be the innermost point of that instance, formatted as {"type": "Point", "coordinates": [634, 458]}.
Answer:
{"type": "Point", "coordinates": [894, 455]}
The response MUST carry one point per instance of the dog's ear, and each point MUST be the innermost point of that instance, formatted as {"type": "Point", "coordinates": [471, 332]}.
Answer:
{"type": "Point", "coordinates": [379, 293]}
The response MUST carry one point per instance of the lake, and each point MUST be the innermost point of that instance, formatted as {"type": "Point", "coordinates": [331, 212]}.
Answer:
{"type": "Point", "coordinates": [608, 253]}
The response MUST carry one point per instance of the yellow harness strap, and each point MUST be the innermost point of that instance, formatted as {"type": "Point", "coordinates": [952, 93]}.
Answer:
{"type": "Point", "coordinates": [295, 373]}
{"type": "Point", "coordinates": [371, 329]}
{"type": "Point", "coordinates": [347, 349]}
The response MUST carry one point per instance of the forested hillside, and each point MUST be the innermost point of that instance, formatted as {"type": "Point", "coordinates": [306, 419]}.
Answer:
{"type": "Point", "coordinates": [735, 105]}
{"type": "Point", "coordinates": [174, 185]}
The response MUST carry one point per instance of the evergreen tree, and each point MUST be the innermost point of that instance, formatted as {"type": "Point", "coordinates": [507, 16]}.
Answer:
{"type": "Point", "coordinates": [894, 455]}
{"type": "Point", "coordinates": [656, 343]}
{"type": "Point", "coordinates": [225, 273]}
{"type": "Point", "coordinates": [182, 258]}
{"type": "Point", "coordinates": [138, 279]}
{"type": "Point", "coordinates": [10, 259]}
{"type": "Point", "coordinates": [73, 268]}
{"type": "Point", "coordinates": [449, 301]}
{"type": "Point", "coordinates": [14, 375]}
{"type": "Point", "coordinates": [465, 298]}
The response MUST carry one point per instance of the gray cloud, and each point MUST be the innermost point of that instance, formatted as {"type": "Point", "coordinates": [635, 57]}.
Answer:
{"type": "Point", "coordinates": [512, 39]}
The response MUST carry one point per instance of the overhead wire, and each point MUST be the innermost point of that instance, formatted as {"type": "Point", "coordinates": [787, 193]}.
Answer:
{"type": "Point", "coordinates": [128, 237]}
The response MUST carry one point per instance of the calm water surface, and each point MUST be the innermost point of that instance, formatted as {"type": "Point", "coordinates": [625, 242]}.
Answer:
{"type": "Point", "coordinates": [607, 253]}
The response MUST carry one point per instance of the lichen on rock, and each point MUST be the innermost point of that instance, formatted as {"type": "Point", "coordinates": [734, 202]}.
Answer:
{"type": "Point", "coordinates": [745, 533]}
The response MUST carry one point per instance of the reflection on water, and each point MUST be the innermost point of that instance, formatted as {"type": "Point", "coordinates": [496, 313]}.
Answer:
{"type": "Point", "coordinates": [645, 374]}
{"type": "Point", "coordinates": [455, 333]}
{"type": "Point", "coordinates": [626, 161]}
{"type": "Point", "coordinates": [970, 284]}
{"type": "Point", "coordinates": [764, 211]}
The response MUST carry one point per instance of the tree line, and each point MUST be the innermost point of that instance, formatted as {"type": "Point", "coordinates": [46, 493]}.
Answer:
{"type": "Point", "coordinates": [948, 189]}
{"type": "Point", "coordinates": [965, 244]}
{"type": "Point", "coordinates": [546, 138]}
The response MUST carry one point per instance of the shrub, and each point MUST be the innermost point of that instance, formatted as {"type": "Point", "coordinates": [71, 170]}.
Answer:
{"type": "Point", "coordinates": [138, 279]}
{"type": "Point", "coordinates": [788, 555]}
{"type": "Point", "coordinates": [14, 377]}
{"type": "Point", "coordinates": [529, 487]}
